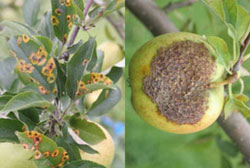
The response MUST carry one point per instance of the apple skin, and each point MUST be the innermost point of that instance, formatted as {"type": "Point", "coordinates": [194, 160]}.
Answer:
{"type": "Point", "coordinates": [15, 156]}
{"type": "Point", "coordinates": [112, 54]}
{"type": "Point", "coordinates": [106, 149]}
{"type": "Point", "coordinates": [92, 97]}
{"type": "Point", "coordinates": [140, 68]}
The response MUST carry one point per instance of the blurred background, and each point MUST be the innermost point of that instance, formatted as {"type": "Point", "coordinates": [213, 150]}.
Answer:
{"type": "Point", "coordinates": [148, 147]}
{"type": "Point", "coordinates": [104, 32]}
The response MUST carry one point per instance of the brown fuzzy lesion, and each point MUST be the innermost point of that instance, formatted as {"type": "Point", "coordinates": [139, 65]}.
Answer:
{"type": "Point", "coordinates": [178, 81]}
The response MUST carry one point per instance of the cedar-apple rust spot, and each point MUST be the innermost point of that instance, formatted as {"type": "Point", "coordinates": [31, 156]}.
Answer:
{"type": "Point", "coordinates": [145, 70]}
{"type": "Point", "coordinates": [178, 80]}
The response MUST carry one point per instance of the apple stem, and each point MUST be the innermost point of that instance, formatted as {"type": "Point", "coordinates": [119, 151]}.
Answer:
{"type": "Point", "coordinates": [229, 80]}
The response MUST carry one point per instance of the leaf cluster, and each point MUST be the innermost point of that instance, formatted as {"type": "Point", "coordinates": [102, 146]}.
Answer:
{"type": "Point", "coordinates": [42, 93]}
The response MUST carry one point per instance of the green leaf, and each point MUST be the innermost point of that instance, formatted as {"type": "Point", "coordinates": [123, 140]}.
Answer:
{"type": "Point", "coordinates": [77, 66]}
{"type": "Point", "coordinates": [109, 34]}
{"type": "Point", "coordinates": [31, 10]}
{"type": "Point", "coordinates": [95, 12]}
{"type": "Point", "coordinates": [88, 131]}
{"type": "Point", "coordinates": [222, 53]}
{"type": "Point", "coordinates": [92, 62]}
{"type": "Point", "coordinates": [96, 62]}
{"type": "Point", "coordinates": [105, 102]}
{"type": "Point", "coordinates": [243, 23]}
{"type": "Point", "coordinates": [11, 29]}
{"type": "Point", "coordinates": [46, 42]}
{"type": "Point", "coordinates": [7, 75]}
{"type": "Point", "coordinates": [83, 164]}
{"type": "Point", "coordinates": [72, 149]}
{"type": "Point", "coordinates": [34, 61]}
{"type": "Point", "coordinates": [46, 26]}
{"type": "Point", "coordinates": [227, 147]}
{"type": "Point", "coordinates": [33, 88]}
{"type": "Point", "coordinates": [217, 7]}
{"type": "Point", "coordinates": [236, 104]}
{"type": "Point", "coordinates": [71, 146]}
{"type": "Point", "coordinates": [92, 82]}
{"type": "Point", "coordinates": [3, 48]}
{"type": "Point", "coordinates": [67, 138]}
{"type": "Point", "coordinates": [60, 80]}
{"type": "Point", "coordinates": [230, 10]}
{"type": "Point", "coordinates": [62, 15]}
{"type": "Point", "coordinates": [111, 4]}
{"type": "Point", "coordinates": [8, 128]}
{"type": "Point", "coordinates": [26, 100]}
{"type": "Point", "coordinates": [4, 100]}
{"type": "Point", "coordinates": [30, 117]}
{"type": "Point", "coordinates": [15, 86]}
{"type": "Point", "coordinates": [225, 162]}
{"type": "Point", "coordinates": [114, 6]}
{"type": "Point", "coordinates": [72, 49]}
{"type": "Point", "coordinates": [47, 153]}
{"type": "Point", "coordinates": [80, 105]}
{"type": "Point", "coordinates": [79, 6]}
{"type": "Point", "coordinates": [115, 74]}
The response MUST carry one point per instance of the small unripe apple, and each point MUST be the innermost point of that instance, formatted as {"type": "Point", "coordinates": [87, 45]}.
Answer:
{"type": "Point", "coordinates": [170, 79]}
{"type": "Point", "coordinates": [92, 97]}
{"type": "Point", "coordinates": [15, 156]}
{"type": "Point", "coordinates": [106, 149]}
{"type": "Point", "coordinates": [9, 14]}
{"type": "Point", "coordinates": [112, 54]}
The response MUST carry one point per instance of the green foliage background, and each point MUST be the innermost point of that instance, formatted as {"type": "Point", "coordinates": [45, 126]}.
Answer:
{"type": "Point", "coordinates": [148, 147]}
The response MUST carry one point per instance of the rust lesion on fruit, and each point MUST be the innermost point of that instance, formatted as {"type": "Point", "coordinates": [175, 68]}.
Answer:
{"type": "Point", "coordinates": [178, 81]}
{"type": "Point", "coordinates": [145, 70]}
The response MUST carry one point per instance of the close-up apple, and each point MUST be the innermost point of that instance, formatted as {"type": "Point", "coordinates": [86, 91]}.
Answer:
{"type": "Point", "coordinates": [14, 155]}
{"type": "Point", "coordinates": [106, 150]}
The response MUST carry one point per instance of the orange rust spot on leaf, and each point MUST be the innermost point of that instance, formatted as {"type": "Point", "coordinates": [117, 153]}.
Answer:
{"type": "Point", "coordinates": [77, 132]}
{"type": "Point", "coordinates": [70, 25]}
{"type": "Point", "coordinates": [29, 68]}
{"type": "Point", "coordinates": [68, 2]}
{"type": "Point", "coordinates": [54, 20]}
{"type": "Point", "coordinates": [25, 146]}
{"type": "Point", "coordinates": [24, 128]}
{"type": "Point", "coordinates": [54, 90]}
{"type": "Point", "coordinates": [42, 90]}
{"type": "Point", "coordinates": [62, 2]}
{"type": "Point", "coordinates": [58, 11]}
{"type": "Point", "coordinates": [55, 153]}
{"type": "Point", "coordinates": [26, 39]}
{"type": "Point", "coordinates": [37, 154]}
{"type": "Point", "coordinates": [51, 78]}
{"type": "Point", "coordinates": [33, 58]}
{"type": "Point", "coordinates": [46, 154]}
{"type": "Point", "coordinates": [19, 40]}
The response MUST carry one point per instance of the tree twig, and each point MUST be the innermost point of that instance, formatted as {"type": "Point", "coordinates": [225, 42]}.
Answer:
{"type": "Point", "coordinates": [175, 5]}
{"type": "Point", "coordinates": [236, 126]}
{"type": "Point", "coordinates": [76, 30]}
{"type": "Point", "coordinates": [65, 55]}
{"type": "Point", "coordinates": [151, 16]}
{"type": "Point", "coordinates": [116, 26]}
{"type": "Point", "coordinates": [73, 36]}
{"type": "Point", "coordinates": [243, 49]}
